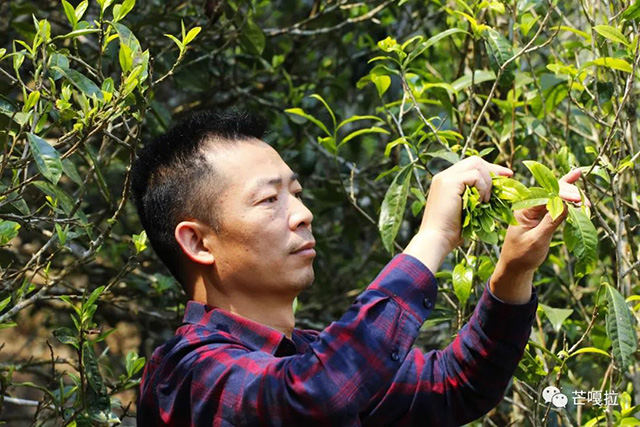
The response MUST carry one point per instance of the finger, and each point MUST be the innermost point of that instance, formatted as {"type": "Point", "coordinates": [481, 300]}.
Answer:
{"type": "Point", "coordinates": [474, 178]}
{"type": "Point", "coordinates": [499, 170]}
{"type": "Point", "coordinates": [572, 176]}
{"type": "Point", "coordinates": [548, 225]}
{"type": "Point", "coordinates": [475, 162]}
{"type": "Point", "coordinates": [572, 193]}
{"type": "Point", "coordinates": [486, 176]}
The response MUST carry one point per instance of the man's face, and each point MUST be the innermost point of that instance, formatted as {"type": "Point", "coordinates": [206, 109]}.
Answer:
{"type": "Point", "coordinates": [263, 223]}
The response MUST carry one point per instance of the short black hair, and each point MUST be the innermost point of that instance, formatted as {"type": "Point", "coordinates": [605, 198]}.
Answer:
{"type": "Point", "coordinates": [171, 179]}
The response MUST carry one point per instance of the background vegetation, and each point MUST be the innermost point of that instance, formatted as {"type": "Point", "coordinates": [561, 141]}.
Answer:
{"type": "Point", "coordinates": [402, 90]}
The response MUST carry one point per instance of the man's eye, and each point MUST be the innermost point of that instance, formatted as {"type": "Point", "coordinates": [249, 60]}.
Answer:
{"type": "Point", "coordinates": [299, 195]}
{"type": "Point", "coordinates": [271, 199]}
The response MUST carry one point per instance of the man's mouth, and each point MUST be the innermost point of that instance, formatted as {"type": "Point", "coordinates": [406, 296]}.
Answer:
{"type": "Point", "coordinates": [306, 249]}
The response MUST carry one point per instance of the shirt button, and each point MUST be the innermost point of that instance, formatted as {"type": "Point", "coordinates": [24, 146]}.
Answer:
{"type": "Point", "coordinates": [427, 303]}
{"type": "Point", "coordinates": [395, 355]}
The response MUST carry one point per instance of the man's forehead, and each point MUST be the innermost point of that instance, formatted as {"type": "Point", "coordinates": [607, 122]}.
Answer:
{"type": "Point", "coordinates": [267, 181]}
{"type": "Point", "coordinates": [251, 166]}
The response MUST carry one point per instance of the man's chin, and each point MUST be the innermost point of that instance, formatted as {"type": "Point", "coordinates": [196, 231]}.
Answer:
{"type": "Point", "coordinates": [307, 281]}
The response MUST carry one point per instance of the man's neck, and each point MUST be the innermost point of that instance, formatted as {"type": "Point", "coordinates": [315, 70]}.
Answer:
{"type": "Point", "coordinates": [274, 311]}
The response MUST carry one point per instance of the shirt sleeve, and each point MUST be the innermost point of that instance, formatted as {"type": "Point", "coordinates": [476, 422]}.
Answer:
{"type": "Point", "coordinates": [465, 380]}
{"type": "Point", "coordinates": [334, 381]}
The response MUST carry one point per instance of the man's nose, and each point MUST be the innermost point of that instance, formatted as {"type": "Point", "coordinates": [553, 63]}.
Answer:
{"type": "Point", "coordinates": [300, 214]}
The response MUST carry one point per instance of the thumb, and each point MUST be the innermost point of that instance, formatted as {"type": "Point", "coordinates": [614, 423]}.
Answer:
{"type": "Point", "coordinates": [548, 225]}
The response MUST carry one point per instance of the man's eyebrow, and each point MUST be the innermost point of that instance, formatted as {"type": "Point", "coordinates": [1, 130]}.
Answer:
{"type": "Point", "coordinates": [263, 182]}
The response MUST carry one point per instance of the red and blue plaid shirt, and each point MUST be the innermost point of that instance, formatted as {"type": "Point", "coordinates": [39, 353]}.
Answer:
{"type": "Point", "coordinates": [222, 369]}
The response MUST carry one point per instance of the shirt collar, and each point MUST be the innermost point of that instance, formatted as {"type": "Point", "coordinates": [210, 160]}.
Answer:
{"type": "Point", "coordinates": [254, 335]}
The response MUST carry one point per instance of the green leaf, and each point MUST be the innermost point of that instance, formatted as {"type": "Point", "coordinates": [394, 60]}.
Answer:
{"type": "Point", "coordinates": [102, 183]}
{"type": "Point", "coordinates": [462, 281]}
{"type": "Point", "coordinates": [581, 239]}
{"type": "Point", "coordinates": [534, 199]}
{"type": "Point", "coordinates": [479, 76]}
{"type": "Point", "coordinates": [121, 10]}
{"type": "Point", "coordinates": [66, 336]}
{"type": "Point", "coordinates": [612, 34]}
{"type": "Point", "coordinates": [125, 57]}
{"type": "Point", "coordinates": [629, 421]}
{"type": "Point", "coordinates": [91, 369]}
{"type": "Point", "coordinates": [329, 143]}
{"type": "Point", "coordinates": [31, 101]}
{"type": "Point", "coordinates": [191, 35]}
{"type": "Point", "coordinates": [133, 363]}
{"type": "Point", "coordinates": [84, 84]}
{"type": "Point", "coordinates": [139, 58]}
{"type": "Point", "coordinates": [47, 158]}
{"type": "Point", "coordinates": [176, 41]}
{"type": "Point", "coordinates": [381, 82]}
{"type": "Point", "coordinates": [620, 329]}
{"type": "Point", "coordinates": [94, 296]}
{"type": "Point", "coordinates": [373, 129]}
{"type": "Point", "coordinates": [140, 241]}
{"type": "Point", "coordinates": [632, 12]}
{"type": "Point", "coordinates": [60, 61]}
{"type": "Point", "coordinates": [528, 203]}
{"type": "Point", "coordinates": [445, 154]}
{"type": "Point", "coordinates": [555, 206]}
{"type": "Point", "coordinates": [357, 118]}
{"type": "Point", "coordinates": [432, 40]}
{"type": "Point", "coordinates": [127, 37]}
{"type": "Point", "coordinates": [61, 233]}
{"type": "Point", "coordinates": [300, 112]}
{"type": "Point", "coordinates": [55, 192]}
{"type": "Point", "coordinates": [68, 300]}
{"type": "Point", "coordinates": [70, 12]}
{"type": "Point", "coordinates": [508, 189]}
{"type": "Point", "coordinates": [556, 316]}
{"type": "Point", "coordinates": [8, 230]}
{"type": "Point", "coordinates": [589, 350]}
{"type": "Point", "coordinates": [500, 51]}
{"type": "Point", "coordinates": [583, 34]}
{"type": "Point", "coordinates": [527, 21]}
{"type": "Point", "coordinates": [76, 33]}
{"type": "Point", "coordinates": [81, 9]}
{"type": "Point", "coordinates": [389, 45]}
{"type": "Point", "coordinates": [477, 28]}
{"type": "Point", "coordinates": [393, 206]}
{"type": "Point", "coordinates": [321, 99]}
{"type": "Point", "coordinates": [543, 176]}
{"type": "Point", "coordinates": [390, 145]}
{"type": "Point", "coordinates": [613, 63]}
{"type": "Point", "coordinates": [69, 169]}
{"type": "Point", "coordinates": [253, 34]}
{"type": "Point", "coordinates": [4, 303]}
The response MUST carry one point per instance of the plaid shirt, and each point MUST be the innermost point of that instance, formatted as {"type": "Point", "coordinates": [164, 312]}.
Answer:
{"type": "Point", "coordinates": [225, 370]}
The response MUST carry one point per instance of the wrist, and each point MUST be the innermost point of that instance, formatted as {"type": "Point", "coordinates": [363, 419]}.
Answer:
{"type": "Point", "coordinates": [429, 248]}
{"type": "Point", "coordinates": [511, 284]}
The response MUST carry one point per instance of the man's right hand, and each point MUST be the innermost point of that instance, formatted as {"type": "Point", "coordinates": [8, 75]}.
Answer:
{"type": "Point", "coordinates": [441, 228]}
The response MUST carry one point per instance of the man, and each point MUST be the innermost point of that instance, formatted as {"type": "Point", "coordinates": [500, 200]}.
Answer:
{"type": "Point", "coordinates": [223, 211]}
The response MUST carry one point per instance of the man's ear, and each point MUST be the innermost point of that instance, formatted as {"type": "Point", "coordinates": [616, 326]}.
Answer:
{"type": "Point", "coordinates": [191, 235]}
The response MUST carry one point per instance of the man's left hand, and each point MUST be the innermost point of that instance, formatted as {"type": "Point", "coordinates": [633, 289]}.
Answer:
{"type": "Point", "coordinates": [526, 245]}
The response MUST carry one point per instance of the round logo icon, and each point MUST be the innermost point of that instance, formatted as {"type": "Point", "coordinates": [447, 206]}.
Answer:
{"type": "Point", "coordinates": [552, 394]}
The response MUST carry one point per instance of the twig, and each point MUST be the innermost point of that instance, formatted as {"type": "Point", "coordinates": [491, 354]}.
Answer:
{"type": "Point", "coordinates": [298, 32]}
{"type": "Point", "coordinates": [526, 49]}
